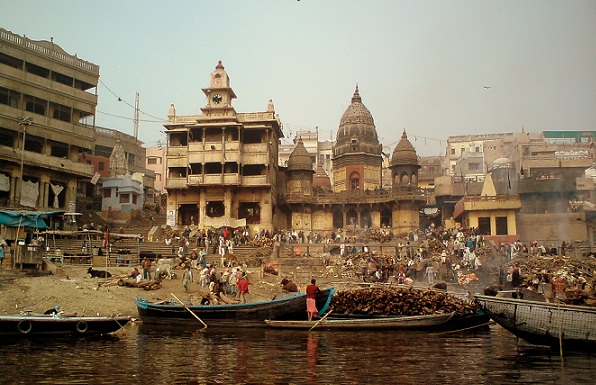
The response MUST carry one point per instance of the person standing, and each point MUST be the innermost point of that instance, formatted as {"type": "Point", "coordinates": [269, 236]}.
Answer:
{"type": "Point", "coordinates": [242, 286]}
{"type": "Point", "coordinates": [311, 299]}
{"type": "Point", "coordinates": [187, 279]}
{"type": "Point", "coordinates": [430, 272]}
{"type": "Point", "coordinates": [146, 265]}
{"type": "Point", "coordinates": [2, 254]}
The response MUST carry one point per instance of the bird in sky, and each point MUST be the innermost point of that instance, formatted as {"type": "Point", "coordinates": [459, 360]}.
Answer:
{"type": "Point", "coordinates": [486, 87]}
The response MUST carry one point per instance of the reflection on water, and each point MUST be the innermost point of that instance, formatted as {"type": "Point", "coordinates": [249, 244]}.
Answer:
{"type": "Point", "coordinates": [264, 356]}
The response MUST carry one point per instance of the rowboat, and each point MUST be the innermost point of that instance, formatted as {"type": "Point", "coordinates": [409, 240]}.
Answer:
{"type": "Point", "coordinates": [542, 323]}
{"type": "Point", "coordinates": [238, 314]}
{"type": "Point", "coordinates": [459, 322]}
{"type": "Point", "coordinates": [42, 325]}
{"type": "Point", "coordinates": [419, 322]}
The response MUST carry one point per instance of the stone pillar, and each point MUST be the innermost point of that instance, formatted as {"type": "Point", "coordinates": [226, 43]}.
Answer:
{"type": "Point", "coordinates": [14, 185]}
{"type": "Point", "coordinates": [202, 209]}
{"type": "Point", "coordinates": [266, 211]}
{"type": "Point", "coordinates": [227, 201]}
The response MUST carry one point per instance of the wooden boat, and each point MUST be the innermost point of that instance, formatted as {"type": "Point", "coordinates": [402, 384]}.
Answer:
{"type": "Point", "coordinates": [239, 314]}
{"type": "Point", "coordinates": [42, 325]}
{"type": "Point", "coordinates": [419, 322]}
{"type": "Point", "coordinates": [542, 323]}
{"type": "Point", "coordinates": [459, 322]}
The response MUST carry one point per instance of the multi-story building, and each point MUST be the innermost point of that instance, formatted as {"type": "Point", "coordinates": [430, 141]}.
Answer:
{"type": "Point", "coordinates": [47, 108]}
{"type": "Point", "coordinates": [222, 165]}
{"type": "Point", "coordinates": [155, 162]}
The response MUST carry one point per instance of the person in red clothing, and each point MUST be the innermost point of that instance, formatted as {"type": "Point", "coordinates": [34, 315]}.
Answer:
{"type": "Point", "coordinates": [242, 285]}
{"type": "Point", "coordinates": [311, 299]}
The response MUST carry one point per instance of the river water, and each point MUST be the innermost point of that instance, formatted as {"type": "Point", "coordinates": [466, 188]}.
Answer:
{"type": "Point", "coordinates": [145, 355]}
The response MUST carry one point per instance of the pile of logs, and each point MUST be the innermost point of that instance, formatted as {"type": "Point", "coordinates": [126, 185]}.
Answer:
{"type": "Point", "coordinates": [578, 275]}
{"type": "Point", "coordinates": [145, 285]}
{"type": "Point", "coordinates": [397, 301]}
{"type": "Point", "coordinates": [435, 246]}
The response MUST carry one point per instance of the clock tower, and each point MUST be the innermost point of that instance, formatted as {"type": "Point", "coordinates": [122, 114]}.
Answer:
{"type": "Point", "coordinates": [219, 94]}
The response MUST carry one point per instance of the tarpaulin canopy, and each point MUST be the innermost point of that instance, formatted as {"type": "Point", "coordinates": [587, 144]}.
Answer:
{"type": "Point", "coordinates": [25, 218]}
{"type": "Point", "coordinates": [224, 221]}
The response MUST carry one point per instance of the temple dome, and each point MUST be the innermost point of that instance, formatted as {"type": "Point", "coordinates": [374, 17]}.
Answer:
{"type": "Point", "coordinates": [357, 132]}
{"type": "Point", "coordinates": [404, 153]}
{"type": "Point", "coordinates": [299, 158]}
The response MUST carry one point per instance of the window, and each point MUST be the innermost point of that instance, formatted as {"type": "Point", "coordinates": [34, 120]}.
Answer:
{"type": "Point", "coordinates": [453, 151]}
{"type": "Point", "coordinates": [35, 105]}
{"type": "Point", "coordinates": [101, 166]}
{"type": "Point", "coordinates": [134, 199]}
{"type": "Point", "coordinates": [474, 166]}
{"type": "Point", "coordinates": [501, 223]}
{"type": "Point", "coordinates": [124, 198]}
{"type": "Point", "coordinates": [107, 193]}
{"type": "Point", "coordinates": [61, 112]}
{"type": "Point", "coordinates": [463, 149]}
{"type": "Point", "coordinates": [484, 225]}
{"type": "Point", "coordinates": [477, 149]}
{"type": "Point", "coordinates": [151, 160]}
{"type": "Point", "coordinates": [37, 70]}
{"type": "Point", "coordinates": [9, 97]}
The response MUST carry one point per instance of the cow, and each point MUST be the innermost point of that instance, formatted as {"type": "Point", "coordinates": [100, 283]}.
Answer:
{"type": "Point", "coordinates": [165, 266]}
{"type": "Point", "coordinates": [229, 260]}
{"type": "Point", "coordinates": [163, 270]}
{"type": "Point", "coordinates": [99, 273]}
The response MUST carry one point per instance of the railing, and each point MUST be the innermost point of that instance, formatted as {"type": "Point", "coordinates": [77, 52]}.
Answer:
{"type": "Point", "coordinates": [42, 48]}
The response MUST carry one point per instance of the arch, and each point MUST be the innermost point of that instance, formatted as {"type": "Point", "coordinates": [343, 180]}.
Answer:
{"type": "Point", "coordinates": [338, 219]}
{"type": "Point", "coordinates": [405, 178]}
{"type": "Point", "coordinates": [352, 218]}
{"type": "Point", "coordinates": [365, 219]}
{"type": "Point", "coordinates": [386, 218]}
{"type": "Point", "coordinates": [354, 181]}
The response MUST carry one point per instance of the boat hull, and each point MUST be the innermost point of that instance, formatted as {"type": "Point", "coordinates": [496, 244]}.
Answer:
{"type": "Point", "coordinates": [386, 323]}
{"type": "Point", "coordinates": [471, 321]}
{"type": "Point", "coordinates": [51, 326]}
{"type": "Point", "coordinates": [541, 323]}
{"type": "Point", "coordinates": [241, 314]}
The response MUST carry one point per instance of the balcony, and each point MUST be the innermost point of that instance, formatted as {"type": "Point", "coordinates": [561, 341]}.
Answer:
{"type": "Point", "coordinates": [45, 161]}
{"type": "Point", "coordinates": [255, 180]}
{"type": "Point", "coordinates": [221, 179]}
{"type": "Point", "coordinates": [176, 183]}
{"type": "Point", "coordinates": [485, 203]}
{"type": "Point", "coordinates": [195, 180]}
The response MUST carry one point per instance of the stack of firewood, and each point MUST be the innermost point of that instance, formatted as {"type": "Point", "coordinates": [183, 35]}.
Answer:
{"type": "Point", "coordinates": [146, 285]}
{"type": "Point", "coordinates": [393, 301]}
{"type": "Point", "coordinates": [435, 246]}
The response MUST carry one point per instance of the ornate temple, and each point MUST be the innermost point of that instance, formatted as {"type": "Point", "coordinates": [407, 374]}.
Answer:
{"type": "Point", "coordinates": [222, 168]}
{"type": "Point", "coordinates": [356, 199]}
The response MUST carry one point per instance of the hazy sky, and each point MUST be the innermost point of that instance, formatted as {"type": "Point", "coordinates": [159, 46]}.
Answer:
{"type": "Point", "coordinates": [419, 65]}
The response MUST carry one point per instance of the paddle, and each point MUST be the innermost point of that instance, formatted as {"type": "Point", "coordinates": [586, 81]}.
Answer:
{"type": "Point", "coordinates": [321, 320]}
{"type": "Point", "coordinates": [191, 312]}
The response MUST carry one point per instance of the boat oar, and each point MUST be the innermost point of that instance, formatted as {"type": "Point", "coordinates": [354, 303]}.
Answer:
{"type": "Point", "coordinates": [321, 320]}
{"type": "Point", "coordinates": [191, 312]}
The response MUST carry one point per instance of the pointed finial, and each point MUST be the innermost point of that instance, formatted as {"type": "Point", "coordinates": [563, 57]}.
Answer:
{"type": "Point", "coordinates": [356, 97]}
{"type": "Point", "coordinates": [219, 65]}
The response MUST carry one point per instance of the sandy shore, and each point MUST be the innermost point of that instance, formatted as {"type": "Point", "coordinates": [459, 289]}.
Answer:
{"type": "Point", "coordinates": [75, 291]}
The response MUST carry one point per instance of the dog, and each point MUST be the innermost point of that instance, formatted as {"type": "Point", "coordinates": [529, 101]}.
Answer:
{"type": "Point", "coordinates": [99, 273]}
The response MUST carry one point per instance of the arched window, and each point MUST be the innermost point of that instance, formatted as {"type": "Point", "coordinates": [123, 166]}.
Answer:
{"type": "Point", "coordinates": [354, 181]}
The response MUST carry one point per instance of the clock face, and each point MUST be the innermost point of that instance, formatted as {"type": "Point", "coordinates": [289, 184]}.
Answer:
{"type": "Point", "coordinates": [217, 99]}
